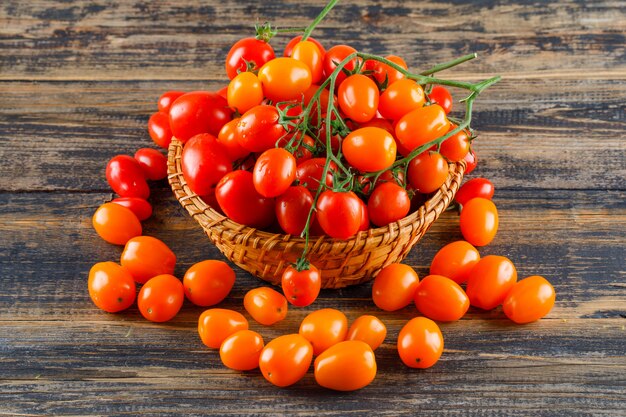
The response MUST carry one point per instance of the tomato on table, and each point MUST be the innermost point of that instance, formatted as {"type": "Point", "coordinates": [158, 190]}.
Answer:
{"type": "Point", "coordinates": [241, 351]}
{"type": "Point", "coordinates": [116, 224]}
{"type": "Point", "coordinates": [346, 366]}
{"type": "Point", "coordinates": [159, 129]}
{"type": "Point", "coordinates": [476, 187]}
{"type": "Point", "coordinates": [339, 213]}
{"type": "Point", "coordinates": [216, 324]}
{"type": "Point", "coordinates": [420, 343]}
{"type": "Point", "coordinates": [111, 287]}
{"type": "Point", "coordinates": [490, 281]}
{"type": "Point", "coordinates": [368, 329]}
{"type": "Point", "coordinates": [274, 171]}
{"type": "Point", "coordinates": [394, 287]}
{"type": "Point", "coordinates": [140, 207]}
{"type": "Point", "coordinates": [240, 201]}
{"type": "Point", "coordinates": [286, 359]}
{"type": "Point", "coordinates": [265, 305]}
{"type": "Point", "coordinates": [529, 300]}
{"type": "Point", "coordinates": [161, 298]}
{"type": "Point", "coordinates": [479, 221]}
{"type": "Point", "coordinates": [198, 112]}
{"type": "Point", "coordinates": [455, 261]}
{"type": "Point", "coordinates": [152, 162]}
{"type": "Point", "coordinates": [358, 98]}
{"type": "Point", "coordinates": [208, 282]}
{"type": "Point", "coordinates": [439, 298]}
{"type": "Point", "coordinates": [369, 149]}
{"type": "Point", "coordinates": [324, 328]}
{"type": "Point", "coordinates": [301, 286]}
{"type": "Point", "coordinates": [146, 257]}
{"type": "Point", "coordinates": [126, 177]}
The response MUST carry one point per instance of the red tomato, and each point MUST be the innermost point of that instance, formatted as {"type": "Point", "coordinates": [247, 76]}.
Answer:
{"type": "Point", "coordinates": [365, 217]}
{"type": "Point", "coordinates": [456, 147]}
{"type": "Point", "coordinates": [111, 287]}
{"type": "Point", "coordinates": [388, 203]}
{"type": "Point", "coordinates": [166, 100]}
{"type": "Point", "coordinates": [339, 213]}
{"type": "Point", "coordinates": [303, 152]}
{"type": "Point", "coordinates": [420, 343]}
{"type": "Point", "coordinates": [346, 366]}
{"type": "Point", "coordinates": [274, 171]}
{"type": "Point", "coordinates": [382, 71]}
{"type": "Point", "coordinates": [265, 305]}
{"type": "Point", "coordinates": [258, 129]}
{"type": "Point", "coordinates": [358, 98]}
{"type": "Point", "coordinates": [244, 92]}
{"type": "Point", "coordinates": [146, 257]}
{"type": "Point", "coordinates": [427, 172]}
{"type": "Point", "coordinates": [241, 202]}
{"type": "Point", "coordinates": [301, 288]}
{"type": "Point", "coordinates": [490, 281]}
{"type": "Point", "coordinates": [208, 282]}
{"type": "Point", "coordinates": [420, 126]}
{"type": "Point", "coordinates": [198, 112]}
{"type": "Point", "coordinates": [159, 129]}
{"type": "Point", "coordinates": [285, 79]}
{"type": "Point", "coordinates": [204, 163]}
{"type": "Point", "coordinates": [286, 359]}
{"type": "Point", "coordinates": [334, 56]}
{"type": "Point", "coordinates": [479, 221]}
{"type": "Point", "coordinates": [324, 328]}
{"type": "Point", "coordinates": [161, 298]}
{"type": "Point", "coordinates": [368, 329]}
{"type": "Point", "coordinates": [152, 162]}
{"type": "Point", "coordinates": [228, 137]}
{"type": "Point", "coordinates": [441, 96]}
{"type": "Point", "coordinates": [401, 98]}
{"type": "Point", "coordinates": [455, 261]}
{"type": "Point", "coordinates": [216, 324]}
{"type": "Point", "coordinates": [292, 209]}
{"type": "Point", "coordinates": [140, 207]}
{"type": "Point", "coordinates": [369, 149]}
{"type": "Point", "coordinates": [311, 55]}
{"type": "Point", "coordinates": [241, 351]}
{"type": "Point", "coordinates": [116, 224]}
{"type": "Point", "coordinates": [471, 160]}
{"type": "Point", "coordinates": [250, 50]}
{"type": "Point", "coordinates": [529, 300]}
{"type": "Point", "coordinates": [293, 42]}
{"type": "Point", "coordinates": [439, 298]}
{"type": "Point", "coordinates": [394, 287]}
{"type": "Point", "coordinates": [223, 92]}
{"type": "Point", "coordinates": [476, 187]}
{"type": "Point", "coordinates": [309, 173]}
{"type": "Point", "coordinates": [125, 176]}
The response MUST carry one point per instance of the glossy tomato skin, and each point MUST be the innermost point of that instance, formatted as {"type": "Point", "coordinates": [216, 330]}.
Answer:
{"type": "Point", "coordinates": [116, 224]}
{"type": "Point", "coordinates": [401, 98]}
{"type": "Point", "coordinates": [274, 171]}
{"type": "Point", "coordinates": [258, 129]}
{"type": "Point", "coordinates": [439, 298]}
{"type": "Point", "coordinates": [455, 261]}
{"type": "Point", "coordinates": [198, 112]}
{"type": "Point", "coordinates": [294, 41]}
{"type": "Point", "coordinates": [339, 213]}
{"type": "Point", "coordinates": [421, 126]}
{"type": "Point", "coordinates": [309, 173]}
{"type": "Point", "coordinates": [369, 149]}
{"type": "Point", "coordinates": [161, 298]}
{"type": "Point", "coordinates": [244, 92]}
{"type": "Point", "coordinates": [490, 281]}
{"type": "Point", "coordinates": [346, 366]}
{"type": "Point", "coordinates": [457, 146]}
{"type": "Point", "coordinates": [382, 71]}
{"type": "Point", "coordinates": [165, 101]}
{"type": "Point", "coordinates": [285, 79]}
{"type": "Point", "coordinates": [476, 187]}
{"type": "Point", "coordinates": [241, 351]}
{"type": "Point", "coordinates": [471, 160]}
{"type": "Point", "coordinates": [529, 300]}
{"type": "Point", "coordinates": [140, 207]}
{"type": "Point", "coordinates": [301, 288]}
{"type": "Point", "coordinates": [126, 177]}
{"type": "Point", "coordinates": [324, 328]}
{"type": "Point", "coordinates": [388, 203]}
{"type": "Point", "coordinates": [427, 172]}
{"type": "Point", "coordinates": [208, 282]}
{"type": "Point", "coordinates": [286, 359]}
{"type": "Point", "coordinates": [394, 287]}
{"type": "Point", "coordinates": [368, 329]}
{"type": "Point", "coordinates": [420, 343]}
{"type": "Point", "coordinates": [245, 50]}
{"type": "Point", "coordinates": [111, 287]}
{"type": "Point", "coordinates": [265, 305]}
{"type": "Point", "coordinates": [441, 96]}
{"type": "Point", "coordinates": [216, 324]}
{"type": "Point", "coordinates": [228, 137]}
{"type": "Point", "coordinates": [292, 209]}
{"type": "Point", "coordinates": [146, 257]}
{"type": "Point", "coordinates": [311, 55]}
{"type": "Point", "coordinates": [159, 129]}
{"type": "Point", "coordinates": [365, 217]}
{"type": "Point", "coordinates": [358, 98]}
{"type": "Point", "coordinates": [204, 163]}
{"type": "Point", "coordinates": [152, 162]}
{"type": "Point", "coordinates": [241, 202]}
{"type": "Point", "coordinates": [334, 56]}
{"type": "Point", "coordinates": [479, 221]}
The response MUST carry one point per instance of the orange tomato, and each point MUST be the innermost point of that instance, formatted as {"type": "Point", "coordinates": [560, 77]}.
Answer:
{"type": "Point", "coordinates": [401, 98]}
{"type": "Point", "coordinates": [490, 281]}
{"type": "Point", "coordinates": [324, 328]}
{"type": "Point", "coordinates": [111, 287]}
{"type": "Point", "coordinates": [286, 359]}
{"type": "Point", "coordinates": [455, 261]}
{"type": "Point", "coordinates": [265, 305]}
{"type": "Point", "coordinates": [421, 126]}
{"type": "Point", "coordinates": [369, 149]}
{"type": "Point", "coordinates": [427, 172]}
{"type": "Point", "coordinates": [146, 257]}
{"type": "Point", "coordinates": [244, 92]}
{"type": "Point", "coordinates": [420, 343]}
{"type": "Point", "coordinates": [479, 221]}
{"type": "Point", "coordinates": [309, 53]}
{"type": "Point", "coordinates": [346, 366]}
{"type": "Point", "coordinates": [284, 79]}
{"type": "Point", "coordinates": [456, 147]}
{"type": "Point", "coordinates": [208, 282]}
{"type": "Point", "coordinates": [116, 224]}
{"type": "Point", "coordinates": [358, 98]}
{"type": "Point", "coordinates": [368, 329]}
{"type": "Point", "coordinates": [216, 324]}
{"type": "Point", "coordinates": [241, 350]}
{"type": "Point", "coordinates": [529, 300]}
{"type": "Point", "coordinates": [440, 298]}
{"type": "Point", "coordinates": [394, 287]}
{"type": "Point", "coordinates": [161, 298]}
{"type": "Point", "coordinates": [383, 71]}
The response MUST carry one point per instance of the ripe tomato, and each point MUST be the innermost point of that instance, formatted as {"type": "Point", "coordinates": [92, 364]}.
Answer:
{"type": "Point", "coordinates": [241, 202]}
{"type": "Point", "coordinates": [250, 50]}
{"type": "Point", "coordinates": [161, 298]}
{"type": "Point", "coordinates": [346, 366]}
{"type": "Point", "coordinates": [441, 96]}
{"type": "Point", "coordinates": [339, 213]}
{"type": "Point", "coordinates": [116, 224]}
{"type": "Point", "coordinates": [334, 56]}
{"type": "Point", "coordinates": [303, 152]}
{"type": "Point", "coordinates": [140, 207]}
{"type": "Point", "coordinates": [274, 172]}
{"type": "Point", "coordinates": [216, 324]}
{"type": "Point", "coordinates": [427, 172]}
{"type": "Point", "coordinates": [322, 107]}
{"type": "Point", "coordinates": [490, 281]}
{"type": "Point", "coordinates": [228, 137]}
{"type": "Point", "coordinates": [476, 187]}
{"type": "Point", "coordinates": [126, 178]}
{"type": "Point", "coordinates": [456, 147]}
{"type": "Point", "coordinates": [265, 305]}
{"type": "Point", "coordinates": [479, 221]}
{"type": "Point", "coordinates": [244, 92]}
{"type": "Point", "coordinates": [165, 101]}
{"type": "Point", "coordinates": [286, 359]}
{"type": "Point", "coordinates": [382, 71]}
{"type": "Point", "coordinates": [208, 282]}
{"type": "Point", "coordinates": [111, 287]}
{"type": "Point", "coordinates": [198, 112]}
{"type": "Point", "coordinates": [292, 209]}
{"type": "Point", "coordinates": [471, 160]}
{"type": "Point", "coordinates": [311, 55]}
{"type": "Point", "coordinates": [394, 287]}
{"type": "Point", "coordinates": [420, 343]}
{"type": "Point", "coordinates": [380, 123]}
{"type": "Point", "coordinates": [293, 42]}
{"type": "Point", "coordinates": [529, 300]}
{"type": "Point", "coordinates": [146, 257]}
{"type": "Point", "coordinates": [285, 79]}
{"type": "Point", "coordinates": [455, 261]}
{"type": "Point", "coordinates": [421, 126]}
{"type": "Point", "coordinates": [152, 162]}
{"type": "Point", "coordinates": [358, 98]}
{"type": "Point", "coordinates": [159, 129]}
{"type": "Point", "coordinates": [365, 217]}
{"type": "Point", "coordinates": [204, 162]}
{"type": "Point", "coordinates": [439, 298]}
{"type": "Point", "coordinates": [309, 173]}
{"type": "Point", "coordinates": [241, 351]}
{"type": "Point", "coordinates": [401, 98]}
{"type": "Point", "coordinates": [368, 329]}
{"type": "Point", "coordinates": [369, 149]}
{"type": "Point", "coordinates": [324, 328]}
{"type": "Point", "coordinates": [388, 203]}
{"type": "Point", "coordinates": [301, 287]}
{"type": "Point", "coordinates": [258, 129]}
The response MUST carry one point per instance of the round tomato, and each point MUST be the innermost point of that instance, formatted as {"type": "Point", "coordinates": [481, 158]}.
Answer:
{"type": "Point", "coordinates": [152, 162]}
{"type": "Point", "coordinates": [456, 147]}
{"type": "Point", "coordinates": [479, 221]}
{"type": "Point", "coordinates": [241, 351]}
{"type": "Point", "coordinates": [241, 202]}
{"type": "Point", "coordinates": [125, 176]}
{"type": "Point", "coordinates": [165, 101]}
{"type": "Point", "coordinates": [334, 56]}
{"type": "Point", "coordinates": [140, 207]}
{"type": "Point", "coordinates": [216, 324]}
{"type": "Point", "coordinates": [324, 328]}
{"type": "Point", "coordinates": [441, 96]}
{"type": "Point", "coordinates": [146, 257]}
{"type": "Point", "coordinates": [490, 281]}
{"type": "Point", "coordinates": [159, 129]}
{"type": "Point", "coordinates": [368, 329]}
{"type": "Point", "coordinates": [346, 366]}
{"type": "Point", "coordinates": [208, 282]}
{"type": "Point", "coordinates": [285, 79]}
{"type": "Point", "coordinates": [439, 298]}
{"type": "Point", "coordinates": [358, 98]}
{"type": "Point", "coordinates": [303, 150]}
{"type": "Point", "coordinates": [455, 261]}
{"type": "Point", "coordinates": [292, 209]}
{"type": "Point", "coordinates": [394, 287]}
{"type": "Point", "coordinates": [388, 203]}
{"type": "Point", "coordinates": [427, 172]}
{"type": "Point", "coordinates": [301, 287]}
{"type": "Point", "coordinates": [161, 298]}
{"type": "Point", "coordinates": [258, 129]}
{"type": "Point", "coordinates": [204, 163]}
{"type": "Point", "coordinates": [471, 160]}
{"type": "Point", "coordinates": [309, 173]}
{"type": "Point", "coordinates": [265, 305]}
{"type": "Point", "coordinates": [228, 137]}
{"type": "Point", "coordinates": [111, 287]}
{"type": "Point", "coordinates": [365, 217]}
{"type": "Point", "coordinates": [339, 213]}
{"type": "Point", "coordinates": [293, 42]}
{"type": "Point", "coordinates": [244, 92]}
{"type": "Point", "coordinates": [309, 53]}
{"type": "Point", "coordinates": [286, 359]}
{"type": "Point", "coordinates": [476, 187]}
{"type": "Point", "coordinates": [369, 149]}
{"type": "Point", "coordinates": [198, 112]}
{"type": "Point", "coordinates": [401, 98]}
{"type": "Point", "coordinates": [420, 343]}
{"type": "Point", "coordinates": [274, 171]}
{"type": "Point", "coordinates": [420, 126]}
{"type": "Point", "coordinates": [116, 224]}
{"type": "Point", "coordinates": [247, 51]}
{"type": "Point", "coordinates": [529, 300]}
{"type": "Point", "coordinates": [382, 71]}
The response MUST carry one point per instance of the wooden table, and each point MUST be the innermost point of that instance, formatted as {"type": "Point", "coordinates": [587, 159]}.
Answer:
{"type": "Point", "coordinates": [78, 83]}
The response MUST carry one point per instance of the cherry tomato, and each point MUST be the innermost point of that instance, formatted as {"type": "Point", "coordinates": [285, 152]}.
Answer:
{"type": "Point", "coordinates": [346, 366]}
{"type": "Point", "coordinates": [476, 187]}
{"type": "Point", "coordinates": [394, 287]}
{"type": "Point", "coordinates": [427, 172]}
{"type": "Point", "coordinates": [334, 56]}
{"type": "Point", "coordinates": [382, 71]}
{"type": "Point", "coordinates": [365, 217]}
{"type": "Point", "coordinates": [301, 287]}
{"type": "Point", "coordinates": [126, 177]}
{"type": "Point", "coordinates": [223, 92]}
{"type": "Point", "coordinates": [140, 207]}
{"type": "Point", "coordinates": [244, 92]}
{"type": "Point", "coordinates": [358, 98]}
{"type": "Point", "coordinates": [258, 129]}
{"type": "Point", "coordinates": [323, 100]}
{"type": "Point", "coordinates": [284, 79]}
{"type": "Point", "coordinates": [146, 257]}
{"type": "Point", "coordinates": [241, 351]}
{"type": "Point", "coordinates": [471, 160]}
{"type": "Point", "coordinates": [152, 162]}
{"type": "Point", "coordinates": [208, 282]}
{"type": "Point", "coordinates": [265, 305]}
{"type": "Point", "coordinates": [490, 281]}
{"type": "Point", "coordinates": [204, 162]}
{"type": "Point", "coordinates": [216, 324]}
{"type": "Point", "coordinates": [241, 202]}
{"type": "Point", "coordinates": [198, 112]}
{"type": "Point", "coordinates": [293, 42]}
{"type": "Point", "coordinates": [274, 172]}
{"type": "Point", "coordinates": [161, 298]}
{"type": "Point", "coordinates": [111, 287]}
{"type": "Point", "coordinates": [439, 298]}
{"type": "Point", "coordinates": [166, 100]}
{"type": "Point", "coordinates": [421, 126]}
{"type": "Point", "coordinates": [441, 96]}
{"type": "Point", "coordinates": [369, 149]}
{"type": "Point", "coordinates": [420, 343]}
{"type": "Point", "coordinates": [456, 147]}
{"type": "Point", "coordinates": [292, 209]}
{"type": "Point", "coordinates": [455, 261]}
{"type": "Point", "coordinates": [311, 55]}
{"type": "Point", "coordinates": [388, 203]}
{"type": "Point", "coordinates": [303, 151]}
{"type": "Point", "coordinates": [228, 137]}
{"type": "Point", "coordinates": [368, 329]}
{"type": "Point", "coordinates": [529, 300]}
{"type": "Point", "coordinates": [339, 213]}
{"type": "Point", "coordinates": [335, 138]}
{"type": "Point", "coordinates": [324, 328]}
{"type": "Point", "coordinates": [309, 173]}
{"type": "Point", "coordinates": [401, 98]}
{"type": "Point", "coordinates": [159, 129]}
{"type": "Point", "coordinates": [116, 224]}
{"type": "Point", "coordinates": [254, 51]}
{"type": "Point", "coordinates": [380, 123]}
{"type": "Point", "coordinates": [479, 221]}
{"type": "Point", "coordinates": [286, 359]}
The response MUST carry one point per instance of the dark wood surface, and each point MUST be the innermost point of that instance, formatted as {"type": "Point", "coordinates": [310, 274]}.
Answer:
{"type": "Point", "coordinates": [78, 81]}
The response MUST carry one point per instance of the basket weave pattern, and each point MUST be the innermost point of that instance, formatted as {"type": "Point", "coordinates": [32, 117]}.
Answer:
{"type": "Point", "coordinates": [342, 262]}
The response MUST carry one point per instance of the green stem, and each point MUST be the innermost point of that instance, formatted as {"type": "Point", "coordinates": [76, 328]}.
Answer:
{"type": "Point", "coordinates": [318, 19]}
{"type": "Point", "coordinates": [449, 64]}
{"type": "Point", "coordinates": [290, 30]}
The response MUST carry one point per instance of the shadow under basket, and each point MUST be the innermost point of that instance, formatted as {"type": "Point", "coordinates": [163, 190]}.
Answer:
{"type": "Point", "coordinates": [341, 262]}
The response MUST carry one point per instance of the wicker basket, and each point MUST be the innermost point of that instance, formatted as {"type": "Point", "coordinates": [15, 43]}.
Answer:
{"type": "Point", "coordinates": [342, 262]}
